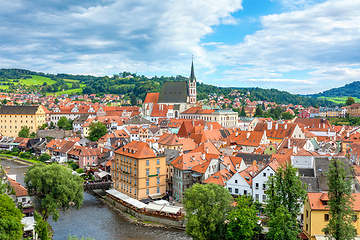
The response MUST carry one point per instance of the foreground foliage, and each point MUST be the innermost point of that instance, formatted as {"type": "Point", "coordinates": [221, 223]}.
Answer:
{"type": "Point", "coordinates": [285, 196]}
{"type": "Point", "coordinates": [242, 222]}
{"type": "Point", "coordinates": [341, 212]}
{"type": "Point", "coordinates": [10, 219]}
{"type": "Point", "coordinates": [57, 186]}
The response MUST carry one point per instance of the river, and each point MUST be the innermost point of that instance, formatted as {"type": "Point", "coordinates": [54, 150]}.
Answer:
{"type": "Point", "coordinates": [96, 220]}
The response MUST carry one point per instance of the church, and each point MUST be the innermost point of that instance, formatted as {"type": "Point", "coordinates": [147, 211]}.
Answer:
{"type": "Point", "coordinates": [174, 98]}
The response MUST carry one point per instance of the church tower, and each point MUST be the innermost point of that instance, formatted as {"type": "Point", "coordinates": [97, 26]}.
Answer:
{"type": "Point", "coordinates": [192, 85]}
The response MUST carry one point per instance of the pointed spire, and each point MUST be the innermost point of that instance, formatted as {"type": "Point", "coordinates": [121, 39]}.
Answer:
{"type": "Point", "coordinates": [192, 75]}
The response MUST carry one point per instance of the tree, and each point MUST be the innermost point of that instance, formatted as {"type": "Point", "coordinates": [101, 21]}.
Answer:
{"type": "Point", "coordinates": [206, 207]}
{"type": "Point", "coordinates": [24, 132]}
{"type": "Point", "coordinates": [10, 219]}
{"type": "Point", "coordinates": [284, 189]}
{"type": "Point", "coordinates": [44, 157]}
{"type": "Point", "coordinates": [52, 125]}
{"type": "Point", "coordinates": [286, 115]}
{"type": "Point", "coordinates": [243, 113]}
{"type": "Point", "coordinates": [133, 100]}
{"type": "Point", "coordinates": [42, 227]}
{"type": "Point", "coordinates": [350, 101]}
{"type": "Point", "coordinates": [282, 225]}
{"type": "Point", "coordinates": [65, 123]}
{"type": "Point", "coordinates": [33, 135]}
{"type": "Point", "coordinates": [243, 221]}
{"type": "Point", "coordinates": [56, 185]}
{"type": "Point", "coordinates": [340, 202]}
{"type": "Point", "coordinates": [97, 130]}
{"type": "Point", "coordinates": [258, 111]}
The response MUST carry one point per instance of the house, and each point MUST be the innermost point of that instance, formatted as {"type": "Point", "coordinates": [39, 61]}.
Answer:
{"type": "Point", "coordinates": [316, 215]}
{"type": "Point", "coordinates": [278, 131]}
{"type": "Point", "coordinates": [13, 118]}
{"type": "Point", "coordinates": [260, 179]}
{"type": "Point", "coordinates": [249, 141]}
{"type": "Point", "coordinates": [139, 171]}
{"type": "Point", "coordinates": [240, 184]}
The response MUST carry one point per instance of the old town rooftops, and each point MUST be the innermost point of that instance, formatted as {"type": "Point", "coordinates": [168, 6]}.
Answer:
{"type": "Point", "coordinates": [136, 149]}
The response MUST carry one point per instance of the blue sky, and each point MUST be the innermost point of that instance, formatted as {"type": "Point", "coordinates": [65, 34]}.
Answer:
{"type": "Point", "coordinates": [300, 46]}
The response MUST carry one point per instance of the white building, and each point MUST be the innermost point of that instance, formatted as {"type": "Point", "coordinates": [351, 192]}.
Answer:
{"type": "Point", "coordinates": [260, 179]}
{"type": "Point", "coordinates": [240, 184]}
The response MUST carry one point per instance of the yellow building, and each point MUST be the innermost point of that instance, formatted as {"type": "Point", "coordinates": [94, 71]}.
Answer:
{"type": "Point", "coordinates": [13, 118]}
{"type": "Point", "coordinates": [316, 215]}
{"type": "Point", "coordinates": [138, 172]}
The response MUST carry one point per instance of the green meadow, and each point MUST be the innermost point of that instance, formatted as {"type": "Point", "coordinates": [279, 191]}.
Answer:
{"type": "Point", "coordinates": [37, 80]}
{"type": "Point", "coordinates": [338, 100]}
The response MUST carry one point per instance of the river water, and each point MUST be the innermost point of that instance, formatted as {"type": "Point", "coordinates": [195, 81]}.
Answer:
{"type": "Point", "coordinates": [96, 220]}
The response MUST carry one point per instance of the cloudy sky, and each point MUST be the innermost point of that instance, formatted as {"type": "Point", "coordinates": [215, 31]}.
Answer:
{"type": "Point", "coordinates": [300, 46]}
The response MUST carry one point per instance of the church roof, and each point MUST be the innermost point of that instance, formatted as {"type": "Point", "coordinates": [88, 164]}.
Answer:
{"type": "Point", "coordinates": [192, 74]}
{"type": "Point", "coordinates": [173, 92]}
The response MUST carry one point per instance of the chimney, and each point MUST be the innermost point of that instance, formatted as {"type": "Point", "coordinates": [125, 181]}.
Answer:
{"type": "Point", "coordinates": [236, 134]}
{"type": "Point", "coordinates": [228, 167]}
{"type": "Point", "coordinates": [211, 127]}
{"type": "Point", "coordinates": [101, 150]}
{"type": "Point", "coordinates": [319, 125]}
{"type": "Point", "coordinates": [247, 135]}
{"type": "Point", "coordinates": [203, 156]}
{"type": "Point", "coordinates": [206, 149]}
{"type": "Point", "coordinates": [285, 126]}
{"type": "Point", "coordinates": [276, 126]}
{"type": "Point", "coordinates": [288, 143]}
{"type": "Point", "coordinates": [348, 134]}
{"type": "Point", "coordinates": [295, 150]}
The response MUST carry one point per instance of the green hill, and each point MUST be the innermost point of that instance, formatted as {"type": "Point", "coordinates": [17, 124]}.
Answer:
{"type": "Point", "coordinates": [349, 90]}
{"type": "Point", "coordinates": [20, 80]}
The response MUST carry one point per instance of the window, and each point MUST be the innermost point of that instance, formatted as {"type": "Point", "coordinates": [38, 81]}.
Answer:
{"type": "Point", "coordinates": [158, 190]}
{"type": "Point", "coordinates": [257, 185]}
{"type": "Point", "coordinates": [307, 213]}
{"type": "Point", "coordinates": [135, 172]}
{"type": "Point", "coordinates": [326, 217]}
{"type": "Point", "coordinates": [230, 189]}
{"type": "Point", "coordinates": [158, 161]}
{"type": "Point", "coordinates": [271, 174]}
{"type": "Point", "coordinates": [135, 162]}
{"type": "Point", "coordinates": [135, 182]}
{"type": "Point", "coordinates": [147, 172]}
{"type": "Point", "coordinates": [245, 192]}
{"type": "Point", "coordinates": [235, 180]}
{"type": "Point", "coordinates": [135, 191]}
{"type": "Point", "coordinates": [147, 162]}
{"type": "Point", "coordinates": [256, 196]}
{"type": "Point", "coordinates": [264, 174]}
{"type": "Point", "coordinates": [264, 198]}
{"type": "Point", "coordinates": [158, 171]}
{"type": "Point", "coordinates": [147, 182]}
{"type": "Point", "coordinates": [307, 227]}
{"type": "Point", "coordinates": [147, 192]}
{"type": "Point", "coordinates": [130, 189]}
{"type": "Point", "coordinates": [158, 181]}
{"type": "Point", "coordinates": [130, 160]}
{"type": "Point", "coordinates": [236, 190]}
{"type": "Point", "coordinates": [264, 186]}
{"type": "Point", "coordinates": [355, 217]}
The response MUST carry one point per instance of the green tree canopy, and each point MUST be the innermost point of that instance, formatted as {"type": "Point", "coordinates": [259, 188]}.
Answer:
{"type": "Point", "coordinates": [340, 202]}
{"type": "Point", "coordinates": [285, 189]}
{"type": "Point", "coordinates": [44, 157]}
{"type": "Point", "coordinates": [350, 101]}
{"type": "Point", "coordinates": [24, 132]}
{"type": "Point", "coordinates": [57, 187]}
{"type": "Point", "coordinates": [206, 207]}
{"type": "Point", "coordinates": [286, 115]}
{"type": "Point", "coordinates": [97, 130]}
{"type": "Point", "coordinates": [242, 222]}
{"type": "Point", "coordinates": [65, 123]}
{"type": "Point", "coordinates": [10, 219]}
{"type": "Point", "coordinates": [282, 225]}
{"type": "Point", "coordinates": [258, 111]}
{"type": "Point", "coordinates": [242, 112]}
{"type": "Point", "coordinates": [42, 227]}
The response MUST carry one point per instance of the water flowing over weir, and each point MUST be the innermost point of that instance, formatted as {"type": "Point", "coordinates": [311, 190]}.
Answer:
{"type": "Point", "coordinates": [97, 220]}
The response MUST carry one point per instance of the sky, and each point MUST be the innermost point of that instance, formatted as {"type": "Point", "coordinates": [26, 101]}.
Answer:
{"type": "Point", "coordinates": [299, 46]}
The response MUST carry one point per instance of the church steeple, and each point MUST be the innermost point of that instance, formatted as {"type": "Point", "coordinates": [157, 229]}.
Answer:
{"type": "Point", "coordinates": [192, 85]}
{"type": "Point", "coordinates": [192, 75]}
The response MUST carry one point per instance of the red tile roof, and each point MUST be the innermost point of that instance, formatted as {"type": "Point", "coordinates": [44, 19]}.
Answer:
{"type": "Point", "coordinates": [136, 149]}
{"type": "Point", "coordinates": [152, 98]}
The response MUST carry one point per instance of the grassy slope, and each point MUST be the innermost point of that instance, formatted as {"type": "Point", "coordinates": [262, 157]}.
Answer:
{"type": "Point", "coordinates": [339, 100]}
{"type": "Point", "coordinates": [37, 80]}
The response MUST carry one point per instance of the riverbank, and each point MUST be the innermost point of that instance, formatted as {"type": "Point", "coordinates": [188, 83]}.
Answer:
{"type": "Point", "coordinates": [17, 159]}
{"type": "Point", "coordinates": [134, 217]}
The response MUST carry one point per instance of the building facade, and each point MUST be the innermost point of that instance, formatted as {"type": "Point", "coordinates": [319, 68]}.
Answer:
{"type": "Point", "coordinates": [13, 118]}
{"type": "Point", "coordinates": [138, 171]}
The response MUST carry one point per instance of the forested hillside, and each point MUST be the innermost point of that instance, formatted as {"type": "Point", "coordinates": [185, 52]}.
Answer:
{"type": "Point", "coordinates": [349, 90]}
{"type": "Point", "coordinates": [131, 84]}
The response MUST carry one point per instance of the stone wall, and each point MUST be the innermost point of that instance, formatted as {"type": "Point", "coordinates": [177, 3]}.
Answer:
{"type": "Point", "coordinates": [54, 133]}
